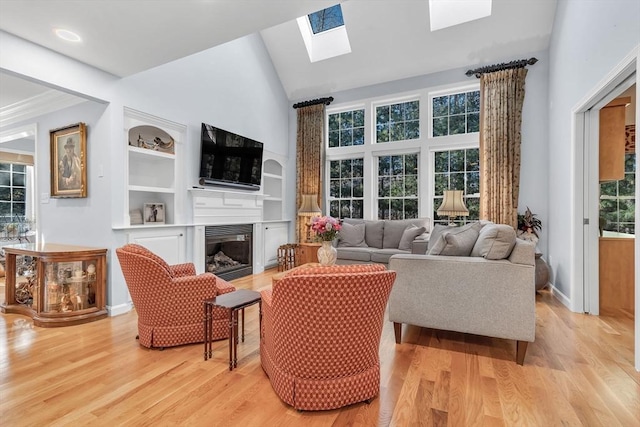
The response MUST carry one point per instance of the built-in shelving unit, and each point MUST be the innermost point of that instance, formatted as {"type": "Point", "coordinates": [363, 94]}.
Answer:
{"type": "Point", "coordinates": [154, 146]}
{"type": "Point", "coordinates": [273, 188]}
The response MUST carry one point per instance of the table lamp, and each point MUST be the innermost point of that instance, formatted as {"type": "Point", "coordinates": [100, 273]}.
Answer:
{"type": "Point", "coordinates": [309, 208]}
{"type": "Point", "coordinates": [452, 205]}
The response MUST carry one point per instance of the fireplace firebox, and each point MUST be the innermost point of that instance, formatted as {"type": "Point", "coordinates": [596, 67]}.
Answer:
{"type": "Point", "coordinates": [229, 250]}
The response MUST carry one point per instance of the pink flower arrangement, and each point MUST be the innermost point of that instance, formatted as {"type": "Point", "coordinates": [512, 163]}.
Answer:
{"type": "Point", "coordinates": [325, 227]}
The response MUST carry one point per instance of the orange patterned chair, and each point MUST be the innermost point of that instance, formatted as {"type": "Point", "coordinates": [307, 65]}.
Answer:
{"type": "Point", "coordinates": [169, 298]}
{"type": "Point", "coordinates": [321, 329]}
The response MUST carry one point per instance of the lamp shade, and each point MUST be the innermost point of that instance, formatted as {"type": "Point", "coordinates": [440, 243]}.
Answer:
{"type": "Point", "coordinates": [309, 205]}
{"type": "Point", "coordinates": [453, 204]}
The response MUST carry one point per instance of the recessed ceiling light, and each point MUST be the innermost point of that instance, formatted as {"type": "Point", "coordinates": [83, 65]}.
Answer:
{"type": "Point", "coordinates": [67, 35]}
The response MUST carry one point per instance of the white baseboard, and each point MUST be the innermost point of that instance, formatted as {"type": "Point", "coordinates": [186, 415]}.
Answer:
{"type": "Point", "coordinates": [560, 296]}
{"type": "Point", "coordinates": [115, 310]}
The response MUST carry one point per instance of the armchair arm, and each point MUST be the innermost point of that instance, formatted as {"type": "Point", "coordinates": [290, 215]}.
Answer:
{"type": "Point", "coordinates": [179, 301]}
{"type": "Point", "coordinates": [223, 286]}
{"type": "Point", "coordinates": [266, 334]}
{"type": "Point", "coordinates": [186, 269]}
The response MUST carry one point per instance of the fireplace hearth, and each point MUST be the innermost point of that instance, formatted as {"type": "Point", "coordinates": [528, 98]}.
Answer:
{"type": "Point", "coordinates": [228, 250]}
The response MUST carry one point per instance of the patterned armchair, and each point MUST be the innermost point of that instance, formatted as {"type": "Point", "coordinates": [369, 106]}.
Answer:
{"type": "Point", "coordinates": [168, 298]}
{"type": "Point", "coordinates": [321, 329]}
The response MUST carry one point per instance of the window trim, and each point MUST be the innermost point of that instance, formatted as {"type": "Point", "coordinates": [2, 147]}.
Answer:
{"type": "Point", "coordinates": [449, 90]}
{"type": "Point", "coordinates": [376, 177]}
{"type": "Point", "coordinates": [432, 161]}
{"type": "Point", "coordinates": [413, 96]}
{"type": "Point", "coordinates": [340, 111]}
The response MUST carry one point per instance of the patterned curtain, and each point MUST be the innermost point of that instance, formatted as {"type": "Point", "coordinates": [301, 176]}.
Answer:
{"type": "Point", "coordinates": [502, 95]}
{"type": "Point", "coordinates": [309, 159]}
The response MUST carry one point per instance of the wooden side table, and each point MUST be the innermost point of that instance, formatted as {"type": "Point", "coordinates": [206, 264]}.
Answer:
{"type": "Point", "coordinates": [307, 253]}
{"type": "Point", "coordinates": [234, 301]}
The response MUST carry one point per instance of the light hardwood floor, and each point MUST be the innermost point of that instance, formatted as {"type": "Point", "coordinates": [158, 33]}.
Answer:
{"type": "Point", "coordinates": [579, 371]}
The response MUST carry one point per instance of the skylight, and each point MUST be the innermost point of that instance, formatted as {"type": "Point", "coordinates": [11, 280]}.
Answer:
{"type": "Point", "coordinates": [324, 34]}
{"type": "Point", "coordinates": [447, 13]}
{"type": "Point", "coordinates": [326, 19]}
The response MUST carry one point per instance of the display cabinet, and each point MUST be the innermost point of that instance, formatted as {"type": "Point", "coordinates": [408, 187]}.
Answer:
{"type": "Point", "coordinates": [56, 285]}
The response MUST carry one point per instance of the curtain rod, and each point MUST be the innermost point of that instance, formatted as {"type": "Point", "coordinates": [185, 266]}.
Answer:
{"type": "Point", "coordinates": [325, 101]}
{"type": "Point", "coordinates": [503, 66]}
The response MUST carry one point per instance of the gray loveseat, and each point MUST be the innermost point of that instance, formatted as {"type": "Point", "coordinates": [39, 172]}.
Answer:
{"type": "Point", "coordinates": [489, 291]}
{"type": "Point", "coordinates": [364, 241]}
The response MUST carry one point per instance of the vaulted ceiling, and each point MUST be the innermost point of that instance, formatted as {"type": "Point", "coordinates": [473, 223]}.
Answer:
{"type": "Point", "coordinates": [390, 39]}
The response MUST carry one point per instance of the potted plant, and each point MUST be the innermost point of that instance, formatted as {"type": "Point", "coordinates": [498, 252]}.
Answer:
{"type": "Point", "coordinates": [528, 226]}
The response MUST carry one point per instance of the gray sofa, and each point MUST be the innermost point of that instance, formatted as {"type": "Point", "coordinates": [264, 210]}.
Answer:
{"type": "Point", "coordinates": [490, 291]}
{"type": "Point", "coordinates": [364, 241]}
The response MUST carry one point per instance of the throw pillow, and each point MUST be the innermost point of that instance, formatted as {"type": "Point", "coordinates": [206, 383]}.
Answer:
{"type": "Point", "coordinates": [457, 242]}
{"type": "Point", "coordinates": [351, 235]}
{"type": "Point", "coordinates": [496, 241]}
{"type": "Point", "coordinates": [393, 229]}
{"type": "Point", "coordinates": [372, 231]}
{"type": "Point", "coordinates": [438, 229]}
{"type": "Point", "coordinates": [409, 234]}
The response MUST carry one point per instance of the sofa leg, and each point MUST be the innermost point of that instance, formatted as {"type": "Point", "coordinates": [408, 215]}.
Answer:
{"type": "Point", "coordinates": [397, 330]}
{"type": "Point", "coordinates": [521, 350]}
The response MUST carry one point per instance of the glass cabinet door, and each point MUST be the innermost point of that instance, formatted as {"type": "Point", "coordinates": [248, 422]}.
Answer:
{"type": "Point", "coordinates": [70, 286]}
{"type": "Point", "coordinates": [27, 292]}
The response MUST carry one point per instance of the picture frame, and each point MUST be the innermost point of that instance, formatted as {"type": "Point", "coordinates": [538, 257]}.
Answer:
{"type": "Point", "coordinates": [153, 213]}
{"type": "Point", "coordinates": [69, 161]}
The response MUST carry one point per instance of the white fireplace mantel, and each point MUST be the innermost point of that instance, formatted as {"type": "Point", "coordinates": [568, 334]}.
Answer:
{"type": "Point", "coordinates": [213, 206]}
{"type": "Point", "coordinates": [222, 207]}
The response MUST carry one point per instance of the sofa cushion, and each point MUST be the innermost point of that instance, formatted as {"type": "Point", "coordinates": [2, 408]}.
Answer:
{"type": "Point", "coordinates": [458, 241]}
{"type": "Point", "coordinates": [355, 254]}
{"type": "Point", "coordinates": [352, 235]}
{"type": "Point", "coordinates": [408, 235]}
{"type": "Point", "coordinates": [495, 241]}
{"type": "Point", "coordinates": [383, 255]}
{"type": "Point", "coordinates": [394, 228]}
{"type": "Point", "coordinates": [372, 231]}
{"type": "Point", "coordinates": [438, 229]}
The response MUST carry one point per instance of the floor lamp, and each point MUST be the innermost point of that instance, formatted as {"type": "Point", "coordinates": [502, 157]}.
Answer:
{"type": "Point", "coordinates": [452, 205]}
{"type": "Point", "coordinates": [309, 208]}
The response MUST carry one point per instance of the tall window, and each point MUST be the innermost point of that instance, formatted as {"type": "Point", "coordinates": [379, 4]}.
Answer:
{"type": "Point", "coordinates": [457, 170]}
{"type": "Point", "coordinates": [398, 186]}
{"type": "Point", "coordinates": [13, 181]}
{"type": "Point", "coordinates": [346, 128]}
{"type": "Point", "coordinates": [398, 122]}
{"type": "Point", "coordinates": [346, 188]}
{"type": "Point", "coordinates": [617, 200]}
{"type": "Point", "coordinates": [456, 113]}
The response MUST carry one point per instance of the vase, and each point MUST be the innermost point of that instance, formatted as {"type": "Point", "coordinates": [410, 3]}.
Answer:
{"type": "Point", "coordinates": [541, 272]}
{"type": "Point", "coordinates": [327, 254]}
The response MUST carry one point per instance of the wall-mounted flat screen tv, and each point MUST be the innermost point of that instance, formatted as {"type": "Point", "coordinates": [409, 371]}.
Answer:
{"type": "Point", "coordinates": [228, 159]}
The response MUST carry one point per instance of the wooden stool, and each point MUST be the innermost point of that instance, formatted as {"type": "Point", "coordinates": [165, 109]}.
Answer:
{"type": "Point", "coordinates": [287, 256]}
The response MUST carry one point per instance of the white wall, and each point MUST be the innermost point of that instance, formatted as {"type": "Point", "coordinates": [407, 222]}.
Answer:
{"type": "Point", "coordinates": [589, 39]}
{"type": "Point", "coordinates": [233, 86]}
{"type": "Point", "coordinates": [534, 165]}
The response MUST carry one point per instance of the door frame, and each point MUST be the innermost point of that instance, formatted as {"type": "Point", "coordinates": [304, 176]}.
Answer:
{"type": "Point", "coordinates": [585, 186]}
{"type": "Point", "coordinates": [22, 132]}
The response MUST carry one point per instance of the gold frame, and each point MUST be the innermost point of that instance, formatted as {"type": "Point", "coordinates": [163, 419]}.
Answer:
{"type": "Point", "coordinates": [75, 184]}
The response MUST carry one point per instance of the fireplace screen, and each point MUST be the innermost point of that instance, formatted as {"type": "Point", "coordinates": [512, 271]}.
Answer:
{"type": "Point", "coordinates": [228, 250]}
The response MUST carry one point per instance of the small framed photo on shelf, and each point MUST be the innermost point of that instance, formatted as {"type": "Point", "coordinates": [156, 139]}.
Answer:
{"type": "Point", "coordinates": [69, 161]}
{"type": "Point", "coordinates": [153, 213]}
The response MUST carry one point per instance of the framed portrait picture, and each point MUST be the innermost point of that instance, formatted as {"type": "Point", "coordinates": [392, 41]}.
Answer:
{"type": "Point", "coordinates": [153, 213]}
{"type": "Point", "coordinates": [69, 161]}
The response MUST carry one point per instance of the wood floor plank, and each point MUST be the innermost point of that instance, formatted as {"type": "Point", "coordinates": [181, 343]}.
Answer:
{"type": "Point", "coordinates": [578, 372]}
